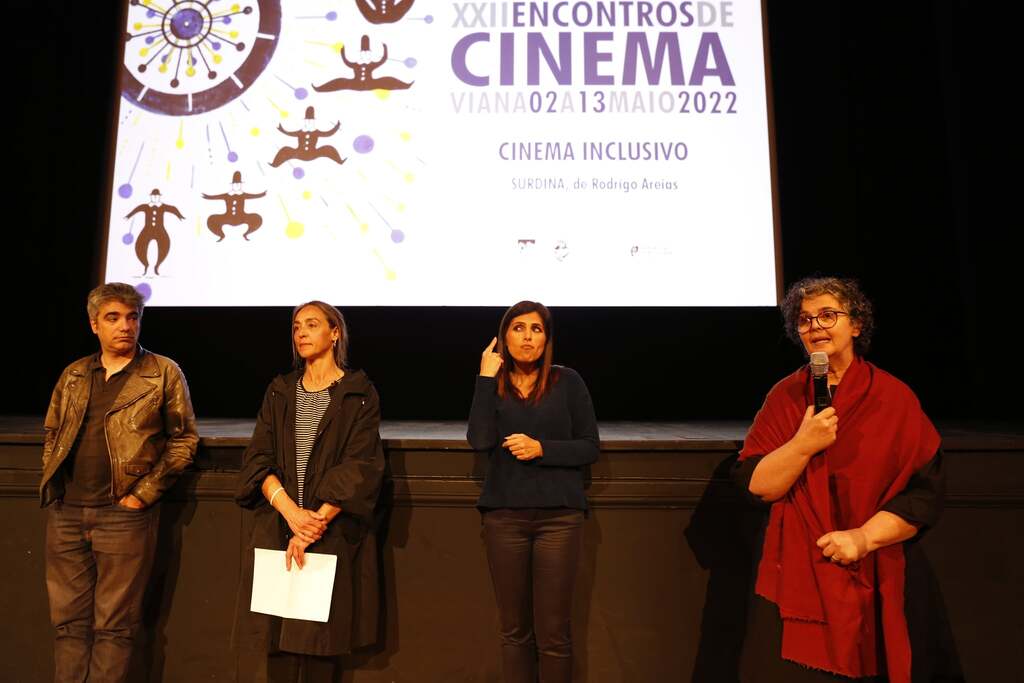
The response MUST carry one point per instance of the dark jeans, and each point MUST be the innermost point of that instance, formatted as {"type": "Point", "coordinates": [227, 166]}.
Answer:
{"type": "Point", "coordinates": [533, 555]}
{"type": "Point", "coordinates": [285, 667]}
{"type": "Point", "coordinates": [98, 561]}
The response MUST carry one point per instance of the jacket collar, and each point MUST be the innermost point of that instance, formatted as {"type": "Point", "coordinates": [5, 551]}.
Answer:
{"type": "Point", "coordinates": [139, 379]}
{"type": "Point", "coordinates": [145, 364]}
{"type": "Point", "coordinates": [354, 382]}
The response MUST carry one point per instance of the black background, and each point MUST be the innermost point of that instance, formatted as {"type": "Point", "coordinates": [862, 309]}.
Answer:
{"type": "Point", "coordinates": [873, 183]}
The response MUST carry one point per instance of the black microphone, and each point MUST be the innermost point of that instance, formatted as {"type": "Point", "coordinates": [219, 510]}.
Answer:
{"type": "Point", "coordinates": [819, 372]}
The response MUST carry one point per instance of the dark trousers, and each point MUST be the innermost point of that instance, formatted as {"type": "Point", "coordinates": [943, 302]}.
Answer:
{"type": "Point", "coordinates": [285, 667]}
{"type": "Point", "coordinates": [98, 561]}
{"type": "Point", "coordinates": [533, 555]}
{"type": "Point", "coordinates": [762, 660]}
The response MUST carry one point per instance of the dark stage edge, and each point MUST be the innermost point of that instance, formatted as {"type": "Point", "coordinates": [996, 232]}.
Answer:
{"type": "Point", "coordinates": [662, 582]}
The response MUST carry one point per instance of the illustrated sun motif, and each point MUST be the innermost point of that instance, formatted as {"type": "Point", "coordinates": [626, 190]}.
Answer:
{"type": "Point", "coordinates": [193, 56]}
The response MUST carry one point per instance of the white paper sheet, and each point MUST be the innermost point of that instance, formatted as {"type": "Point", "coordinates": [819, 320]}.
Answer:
{"type": "Point", "coordinates": [297, 594]}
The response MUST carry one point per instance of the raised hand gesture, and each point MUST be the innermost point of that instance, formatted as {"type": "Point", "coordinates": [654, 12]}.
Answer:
{"type": "Point", "coordinates": [490, 362]}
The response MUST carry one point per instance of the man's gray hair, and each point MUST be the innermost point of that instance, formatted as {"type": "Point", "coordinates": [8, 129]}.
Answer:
{"type": "Point", "coordinates": [113, 291]}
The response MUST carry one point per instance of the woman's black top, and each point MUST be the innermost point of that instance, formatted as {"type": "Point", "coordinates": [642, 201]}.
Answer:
{"type": "Point", "coordinates": [563, 421]}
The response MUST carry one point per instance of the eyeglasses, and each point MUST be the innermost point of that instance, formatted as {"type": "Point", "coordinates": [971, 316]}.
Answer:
{"type": "Point", "coordinates": [826, 319]}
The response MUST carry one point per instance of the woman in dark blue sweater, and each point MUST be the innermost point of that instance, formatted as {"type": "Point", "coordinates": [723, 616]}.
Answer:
{"type": "Point", "coordinates": [537, 424]}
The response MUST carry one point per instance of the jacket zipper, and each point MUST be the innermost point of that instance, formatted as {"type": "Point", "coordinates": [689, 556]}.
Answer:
{"type": "Point", "coordinates": [106, 439]}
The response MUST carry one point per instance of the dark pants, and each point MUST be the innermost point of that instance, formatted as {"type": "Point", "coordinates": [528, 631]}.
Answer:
{"type": "Point", "coordinates": [98, 561]}
{"type": "Point", "coordinates": [533, 555]}
{"type": "Point", "coordinates": [762, 660]}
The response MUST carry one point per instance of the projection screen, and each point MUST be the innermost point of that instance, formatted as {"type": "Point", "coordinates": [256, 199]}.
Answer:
{"type": "Point", "coordinates": [406, 152]}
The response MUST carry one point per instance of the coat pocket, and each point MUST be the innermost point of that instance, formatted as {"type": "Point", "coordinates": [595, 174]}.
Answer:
{"type": "Point", "coordinates": [137, 469]}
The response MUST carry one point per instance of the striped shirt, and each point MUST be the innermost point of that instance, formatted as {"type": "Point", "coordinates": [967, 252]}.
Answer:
{"type": "Point", "coordinates": [310, 407]}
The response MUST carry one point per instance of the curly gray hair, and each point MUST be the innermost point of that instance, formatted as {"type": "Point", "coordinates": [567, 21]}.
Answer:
{"type": "Point", "coordinates": [846, 290]}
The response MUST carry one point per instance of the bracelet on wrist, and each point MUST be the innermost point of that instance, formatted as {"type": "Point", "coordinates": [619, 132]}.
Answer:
{"type": "Point", "coordinates": [274, 494]}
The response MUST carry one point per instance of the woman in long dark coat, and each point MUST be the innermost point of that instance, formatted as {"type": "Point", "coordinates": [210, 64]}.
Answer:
{"type": "Point", "coordinates": [311, 476]}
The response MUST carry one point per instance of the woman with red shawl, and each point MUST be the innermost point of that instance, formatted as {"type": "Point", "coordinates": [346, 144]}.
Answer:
{"type": "Point", "coordinates": [847, 486]}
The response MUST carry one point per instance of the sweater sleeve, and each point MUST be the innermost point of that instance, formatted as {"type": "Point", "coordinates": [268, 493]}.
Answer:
{"type": "Point", "coordinates": [482, 432]}
{"type": "Point", "coordinates": [921, 503]}
{"type": "Point", "coordinates": [585, 444]}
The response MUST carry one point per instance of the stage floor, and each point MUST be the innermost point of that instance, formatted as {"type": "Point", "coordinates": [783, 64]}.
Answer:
{"type": "Point", "coordinates": [447, 434]}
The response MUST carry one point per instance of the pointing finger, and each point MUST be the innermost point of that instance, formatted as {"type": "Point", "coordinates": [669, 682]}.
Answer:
{"type": "Point", "coordinates": [490, 347]}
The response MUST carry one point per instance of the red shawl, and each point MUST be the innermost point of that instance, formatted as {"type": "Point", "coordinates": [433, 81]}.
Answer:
{"type": "Point", "coordinates": [830, 613]}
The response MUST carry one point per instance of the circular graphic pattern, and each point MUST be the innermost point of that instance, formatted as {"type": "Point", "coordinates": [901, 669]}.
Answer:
{"type": "Point", "coordinates": [189, 23]}
{"type": "Point", "coordinates": [145, 290]}
{"type": "Point", "coordinates": [203, 53]}
{"type": "Point", "coordinates": [363, 144]}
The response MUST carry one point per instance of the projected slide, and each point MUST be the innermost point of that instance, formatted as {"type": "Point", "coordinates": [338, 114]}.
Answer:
{"type": "Point", "coordinates": [408, 152]}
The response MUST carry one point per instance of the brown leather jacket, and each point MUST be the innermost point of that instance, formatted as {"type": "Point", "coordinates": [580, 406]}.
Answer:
{"type": "Point", "coordinates": [151, 430]}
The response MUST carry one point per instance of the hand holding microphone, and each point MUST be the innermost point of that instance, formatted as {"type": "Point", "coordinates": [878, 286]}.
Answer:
{"type": "Point", "coordinates": [820, 424]}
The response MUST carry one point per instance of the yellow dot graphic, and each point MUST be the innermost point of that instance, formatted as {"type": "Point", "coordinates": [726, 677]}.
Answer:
{"type": "Point", "coordinates": [217, 59]}
{"type": "Point", "coordinates": [294, 230]}
{"type": "Point", "coordinates": [162, 68]}
{"type": "Point", "coordinates": [307, 195]}
{"type": "Point", "coordinates": [143, 52]}
{"type": "Point", "coordinates": [406, 136]}
{"type": "Point", "coordinates": [401, 207]}
{"type": "Point", "coordinates": [409, 177]}
{"type": "Point", "coordinates": [234, 34]}
{"type": "Point", "coordinates": [364, 228]}
{"type": "Point", "coordinates": [254, 132]}
{"type": "Point", "coordinates": [180, 144]}
{"type": "Point", "coordinates": [137, 26]}
{"type": "Point", "coordinates": [190, 71]}
{"type": "Point", "coordinates": [235, 8]}
{"type": "Point", "coordinates": [337, 46]}
{"type": "Point", "coordinates": [382, 94]}
{"type": "Point", "coordinates": [391, 275]}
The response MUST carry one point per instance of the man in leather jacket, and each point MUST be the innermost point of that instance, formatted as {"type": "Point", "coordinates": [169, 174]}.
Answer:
{"type": "Point", "coordinates": [119, 430]}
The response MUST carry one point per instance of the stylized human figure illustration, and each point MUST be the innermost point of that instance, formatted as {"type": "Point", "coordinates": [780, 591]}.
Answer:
{"type": "Point", "coordinates": [234, 210]}
{"type": "Point", "coordinates": [306, 149]}
{"type": "Point", "coordinates": [154, 230]}
{"type": "Point", "coordinates": [362, 70]}
{"type": "Point", "coordinates": [383, 11]}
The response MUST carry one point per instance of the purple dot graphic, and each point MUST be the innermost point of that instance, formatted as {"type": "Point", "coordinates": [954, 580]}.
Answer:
{"type": "Point", "coordinates": [397, 236]}
{"type": "Point", "coordinates": [410, 62]}
{"type": "Point", "coordinates": [216, 46]}
{"type": "Point", "coordinates": [298, 173]}
{"type": "Point", "coordinates": [227, 20]}
{"type": "Point", "coordinates": [150, 14]}
{"type": "Point", "coordinates": [429, 19]}
{"type": "Point", "coordinates": [149, 40]}
{"type": "Point", "coordinates": [232, 156]}
{"type": "Point", "coordinates": [301, 93]}
{"type": "Point", "coordinates": [331, 16]}
{"type": "Point", "coordinates": [145, 290]}
{"type": "Point", "coordinates": [127, 238]}
{"type": "Point", "coordinates": [125, 191]}
{"type": "Point", "coordinates": [363, 144]}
